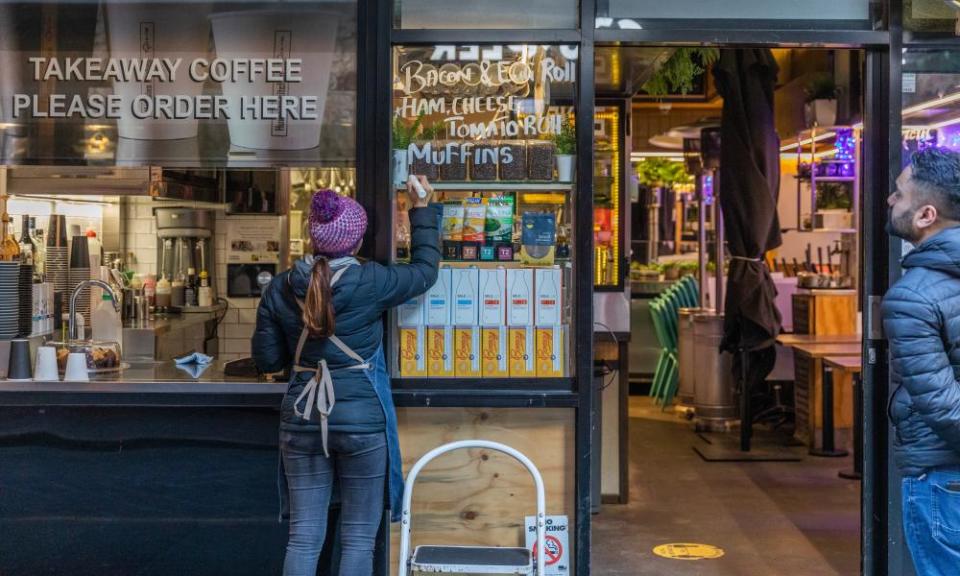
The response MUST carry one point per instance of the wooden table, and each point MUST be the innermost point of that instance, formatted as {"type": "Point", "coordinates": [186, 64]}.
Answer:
{"type": "Point", "coordinates": [809, 394]}
{"type": "Point", "coordinates": [852, 365]}
{"type": "Point", "coordinates": [795, 339]}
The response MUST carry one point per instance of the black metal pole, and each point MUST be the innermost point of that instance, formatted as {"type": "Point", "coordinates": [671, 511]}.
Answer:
{"type": "Point", "coordinates": [746, 418]}
{"type": "Point", "coordinates": [828, 449]}
{"type": "Point", "coordinates": [857, 472]}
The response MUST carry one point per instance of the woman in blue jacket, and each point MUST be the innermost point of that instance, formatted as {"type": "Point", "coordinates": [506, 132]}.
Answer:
{"type": "Point", "coordinates": [324, 320]}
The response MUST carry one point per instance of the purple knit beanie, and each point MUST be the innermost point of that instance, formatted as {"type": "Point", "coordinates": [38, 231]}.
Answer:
{"type": "Point", "coordinates": [336, 224]}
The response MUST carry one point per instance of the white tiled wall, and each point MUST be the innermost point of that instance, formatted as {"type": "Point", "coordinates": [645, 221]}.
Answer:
{"type": "Point", "coordinates": [140, 236]}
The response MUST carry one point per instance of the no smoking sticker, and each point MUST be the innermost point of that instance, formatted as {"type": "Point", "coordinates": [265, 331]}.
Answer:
{"type": "Point", "coordinates": [688, 551]}
{"type": "Point", "coordinates": [554, 550]}
{"type": "Point", "coordinates": [556, 544]}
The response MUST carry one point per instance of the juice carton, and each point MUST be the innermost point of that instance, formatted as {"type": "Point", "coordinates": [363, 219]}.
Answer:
{"type": "Point", "coordinates": [551, 344]}
{"type": "Point", "coordinates": [496, 358]}
{"type": "Point", "coordinates": [440, 352]}
{"type": "Point", "coordinates": [467, 363]}
{"type": "Point", "coordinates": [522, 352]}
{"type": "Point", "coordinates": [413, 351]}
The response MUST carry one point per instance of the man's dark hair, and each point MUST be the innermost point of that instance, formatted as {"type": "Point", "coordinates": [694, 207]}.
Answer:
{"type": "Point", "coordinates": [936, 172]}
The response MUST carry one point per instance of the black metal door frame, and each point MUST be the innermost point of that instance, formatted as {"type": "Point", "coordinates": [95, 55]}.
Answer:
{"type": "Point", "coordinates": [880, 257]}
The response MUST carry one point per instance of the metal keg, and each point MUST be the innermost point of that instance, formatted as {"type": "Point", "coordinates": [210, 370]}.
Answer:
{"type": "Point", "coordinates": [686, 355]}
{"type": "Point", "coordinates": [715, 398]}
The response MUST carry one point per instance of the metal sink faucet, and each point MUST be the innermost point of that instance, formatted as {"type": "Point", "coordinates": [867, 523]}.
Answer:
{"type": "Point", "coordinates": [72, 329]}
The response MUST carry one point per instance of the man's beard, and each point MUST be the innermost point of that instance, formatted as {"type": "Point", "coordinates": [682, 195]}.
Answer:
{"type": "Point", "coordinates": [902, 226]}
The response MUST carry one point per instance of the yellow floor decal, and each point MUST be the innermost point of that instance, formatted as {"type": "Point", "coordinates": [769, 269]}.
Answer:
{"type": "Point", "coordinates": [687, 551]}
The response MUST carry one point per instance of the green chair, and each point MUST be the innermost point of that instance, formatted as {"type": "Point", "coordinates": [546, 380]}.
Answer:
{"type": "Point", "coordinates": [666, 375]}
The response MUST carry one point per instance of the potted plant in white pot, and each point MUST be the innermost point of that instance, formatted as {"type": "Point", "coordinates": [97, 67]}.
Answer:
{"type": "Point", "coordinates": [820, 108]}
{"type": "Point", "coordinates": [566, 145]}
{"type": "Point", "coordinates": [402, 137]}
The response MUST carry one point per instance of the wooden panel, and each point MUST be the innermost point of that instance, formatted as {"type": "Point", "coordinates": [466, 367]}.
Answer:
{"type": "Point", "coordinates": [480, 497]}
{"type": "Point", "coordinates": [835, 314]}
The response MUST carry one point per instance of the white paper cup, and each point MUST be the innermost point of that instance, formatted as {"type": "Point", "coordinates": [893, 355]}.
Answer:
{"type": "Point", "coordinates": [309, 35]}
{"type": "Point", "coordinates": [46, 368]}
{"type": "Point", "coordinates": [148, 30]}
{"type": "Point", "coordinates": [76, 368]}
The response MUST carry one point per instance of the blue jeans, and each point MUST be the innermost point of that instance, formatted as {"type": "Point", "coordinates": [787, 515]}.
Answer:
{"type": "Point", "coordinates": [931, 521]}
{"type": "Point", "coordinates": [359, 462]}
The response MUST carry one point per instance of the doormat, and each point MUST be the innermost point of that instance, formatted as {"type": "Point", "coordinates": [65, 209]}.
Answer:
{"type": "Point", "coordinates": [726, 448]}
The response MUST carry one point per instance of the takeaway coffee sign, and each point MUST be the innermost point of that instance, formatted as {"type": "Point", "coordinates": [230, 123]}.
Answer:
{"type": "Point", "coordinates": [148, 75]}
{"type": "Point", "coordinates": [232, 82]}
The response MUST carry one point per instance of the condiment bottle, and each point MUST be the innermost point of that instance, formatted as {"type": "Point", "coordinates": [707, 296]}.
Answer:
{"type": "Point", "coordinates": [205, 293]}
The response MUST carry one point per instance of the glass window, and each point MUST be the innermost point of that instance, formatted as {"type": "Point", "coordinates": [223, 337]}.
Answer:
{"type": "Point", "coordinates": [931, 100]}
{"type": "Point", "coordinates": [483, 14]}
{"type": "Point", "coordinates": [493, 128]}
{"type": "Point", "coordinates": [939, 17]}
{"type": "Point", "coordinates": [626, 14]}
{"type": "Point", "coordinates": [178, 83]}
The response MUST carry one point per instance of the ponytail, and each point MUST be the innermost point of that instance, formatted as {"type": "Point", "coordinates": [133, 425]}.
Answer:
{"type": "Point", "coordinates": [318, 313]}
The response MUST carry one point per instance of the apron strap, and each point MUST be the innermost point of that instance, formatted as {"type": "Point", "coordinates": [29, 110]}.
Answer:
{"type": "Point", "coordinates": [319, 391]}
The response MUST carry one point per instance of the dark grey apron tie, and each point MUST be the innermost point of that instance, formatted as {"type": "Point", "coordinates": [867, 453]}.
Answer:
{"type": "Point", "coordinates": [319, 392]}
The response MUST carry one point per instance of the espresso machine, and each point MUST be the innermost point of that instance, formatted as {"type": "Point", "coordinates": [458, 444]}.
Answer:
{"type": "Point", "coordinates": [185, 240]}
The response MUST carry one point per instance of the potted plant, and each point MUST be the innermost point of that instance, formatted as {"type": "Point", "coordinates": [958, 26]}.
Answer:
{"type": "Point", "coordinates": [566, 145]}
{"type": "Point", "coordinates": [402, 137]}
{"type": "Point", "coordinates": [821, 95]}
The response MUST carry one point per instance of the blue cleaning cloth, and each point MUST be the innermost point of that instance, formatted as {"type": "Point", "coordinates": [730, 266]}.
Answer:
{"type": "Point", "coordinates": [195, 358]}
{"type": "Point", "coordinates": [194, 370]}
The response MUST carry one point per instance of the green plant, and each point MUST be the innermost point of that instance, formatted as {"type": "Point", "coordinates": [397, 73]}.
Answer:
{"type": "Point", "coordinates": [660, 172]}
{"type": "Point", "coordinates": [431, 131]}
{"type": "Point", "coordinates": [566, 140]}
{"type": "Point", "coordinates": [404, 133]}
{"type": "Point", "coordinates": [833, 196]}
{"type": "Point", "coordinates": [677, 74]}
{"type": "Point", "coordinates": [821, 87]}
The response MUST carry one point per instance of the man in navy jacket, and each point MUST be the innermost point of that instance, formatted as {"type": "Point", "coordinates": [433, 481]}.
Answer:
{"type": "Point", "coordinates": [921, 318]}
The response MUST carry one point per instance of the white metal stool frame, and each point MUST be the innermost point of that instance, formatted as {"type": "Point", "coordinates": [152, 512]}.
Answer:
{"type": "Point", "coordinates": [405, 520]}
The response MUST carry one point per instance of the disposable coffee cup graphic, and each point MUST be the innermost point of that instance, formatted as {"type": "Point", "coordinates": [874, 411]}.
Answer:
{"type": "Point", "coordinates": [306, 36]}
{"type": "Point", "coordinates": [153, 32]}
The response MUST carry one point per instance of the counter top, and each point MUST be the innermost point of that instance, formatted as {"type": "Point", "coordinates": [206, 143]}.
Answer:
{"type": "Point", "coordinates": [155, 378]}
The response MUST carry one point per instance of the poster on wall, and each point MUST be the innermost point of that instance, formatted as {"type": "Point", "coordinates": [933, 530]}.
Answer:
{"type": "Point", "coordinates": [185, 83]}
{"type": "Point", "coordinates": [252, 240]}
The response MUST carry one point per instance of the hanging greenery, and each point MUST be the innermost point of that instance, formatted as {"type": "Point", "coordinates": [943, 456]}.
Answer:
{"type": "Point", "coordinates": [677, 74]}
{"type": "Point", "coordinates": [660, 172]}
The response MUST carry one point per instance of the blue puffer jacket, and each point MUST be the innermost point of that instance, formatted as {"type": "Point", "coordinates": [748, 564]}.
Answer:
{"type": "Point", "coordinates": [921, 318]}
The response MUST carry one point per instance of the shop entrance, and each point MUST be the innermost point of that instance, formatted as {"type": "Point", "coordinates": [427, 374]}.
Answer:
{"type": "Point", "coordinates": [782, 496]}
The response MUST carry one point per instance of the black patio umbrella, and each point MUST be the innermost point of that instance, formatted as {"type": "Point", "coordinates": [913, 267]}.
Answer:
{"type": "Point", "coordinates": [749, 187]}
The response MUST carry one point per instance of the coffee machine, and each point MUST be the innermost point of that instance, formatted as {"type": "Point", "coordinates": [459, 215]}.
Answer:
{"type": "Point", "coordinates": [185, 238]}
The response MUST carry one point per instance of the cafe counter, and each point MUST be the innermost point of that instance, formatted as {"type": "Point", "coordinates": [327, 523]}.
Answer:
{"type": "Point", "coordinates": [150, 383]}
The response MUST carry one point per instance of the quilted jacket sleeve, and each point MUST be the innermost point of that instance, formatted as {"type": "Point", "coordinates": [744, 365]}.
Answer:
{"type": "Point", "coordinates": [912, 325]}
{"type": "Point", "coordinates": [398, 283]}
{"type": "Point", "coordinates": [269, 345]}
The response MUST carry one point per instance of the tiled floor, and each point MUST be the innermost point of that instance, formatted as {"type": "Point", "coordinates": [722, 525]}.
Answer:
{"type": "Point", "coordinates": [794, 519]}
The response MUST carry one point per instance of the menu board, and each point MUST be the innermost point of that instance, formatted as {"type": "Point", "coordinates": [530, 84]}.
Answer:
{"type": "Point", "coordinates": [484, 113]}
